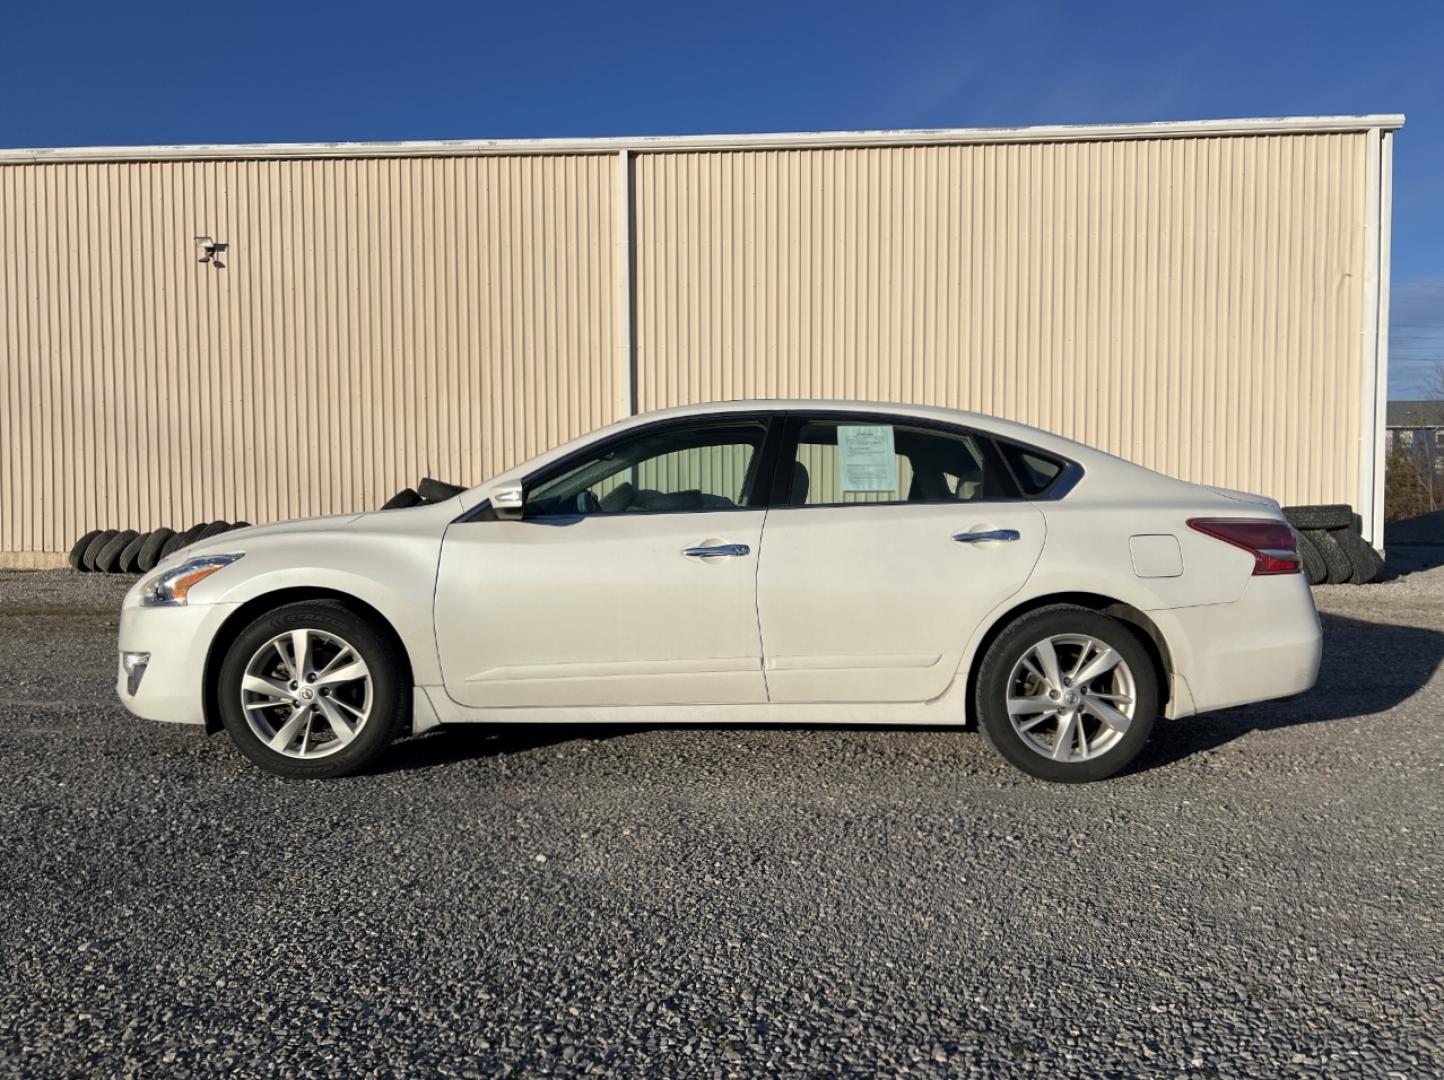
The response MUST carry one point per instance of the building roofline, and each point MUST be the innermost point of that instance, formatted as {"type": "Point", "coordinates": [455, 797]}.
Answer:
{"type": "Point", "coordinates": [1175, 129]}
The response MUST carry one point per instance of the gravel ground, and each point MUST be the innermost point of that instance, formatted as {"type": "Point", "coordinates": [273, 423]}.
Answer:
{"type": "Point", "coordinates": [1262, 896]}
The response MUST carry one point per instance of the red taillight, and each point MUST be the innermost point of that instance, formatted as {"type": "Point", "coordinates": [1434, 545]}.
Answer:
{"type": "Point", "coordinates": [1271, 543]}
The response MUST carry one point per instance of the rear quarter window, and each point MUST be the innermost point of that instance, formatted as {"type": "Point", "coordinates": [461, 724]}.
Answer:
{"type": "Point", "coordinates": [1034, 470]}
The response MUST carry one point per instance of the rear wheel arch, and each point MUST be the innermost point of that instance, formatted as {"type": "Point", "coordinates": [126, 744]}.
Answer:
{"type": "Point", "coordinates": [257, 606]}
{"type": "Point", "coordinates": [1148, 631]}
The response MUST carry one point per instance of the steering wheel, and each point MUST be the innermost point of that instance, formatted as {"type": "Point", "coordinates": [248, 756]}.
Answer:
{"type": "Point", "coordinates": [588, 503]}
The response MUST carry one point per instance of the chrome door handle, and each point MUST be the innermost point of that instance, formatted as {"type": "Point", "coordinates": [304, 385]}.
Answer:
{"type": "Point", "coordinates": [726, 550]}
{"type": "Point", "coordinates": [991, 534]}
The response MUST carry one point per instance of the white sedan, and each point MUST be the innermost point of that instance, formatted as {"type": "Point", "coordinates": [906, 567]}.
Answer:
{"type": "Point", "coordinates": [796, 562]}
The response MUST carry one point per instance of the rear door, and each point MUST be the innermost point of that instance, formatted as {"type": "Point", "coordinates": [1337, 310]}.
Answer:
{"type": "Point", "coordinates": [888, 541]}
{"type": "Point", "coordinates": [631, 578]}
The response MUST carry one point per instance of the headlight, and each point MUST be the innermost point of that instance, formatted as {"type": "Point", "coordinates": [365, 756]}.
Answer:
{"type": "Point", "coordinates": [171, 588]}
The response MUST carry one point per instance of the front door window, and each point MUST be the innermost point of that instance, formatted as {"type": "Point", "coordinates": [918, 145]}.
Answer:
{"type": "Point", "coordinates": [678, 469]}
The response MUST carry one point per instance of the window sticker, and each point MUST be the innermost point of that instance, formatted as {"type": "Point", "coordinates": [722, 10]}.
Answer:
{"type": "Point", "coordinates": [866, 457]}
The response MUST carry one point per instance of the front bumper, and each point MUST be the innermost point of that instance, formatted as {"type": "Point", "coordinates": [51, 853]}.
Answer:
{"type": "Point", "coordinates": [1266, 644]}
{"type": "Point", "coordinates": [178, 640]}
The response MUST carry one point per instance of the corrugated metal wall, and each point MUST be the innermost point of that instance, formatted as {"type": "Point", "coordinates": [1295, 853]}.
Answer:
{"type": "Point", "coordinates": [1192, 304]}
{"type": "Point", "coordinates": [375, 320]}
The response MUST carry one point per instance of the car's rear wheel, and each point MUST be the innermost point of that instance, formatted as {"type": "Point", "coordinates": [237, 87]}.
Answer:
{"type": "Point", "coordinates": [313, 690]}
{"type": "Point", "coordinates": [1067, 694]}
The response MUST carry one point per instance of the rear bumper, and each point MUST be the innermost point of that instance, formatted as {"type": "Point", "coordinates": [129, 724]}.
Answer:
{"type": "Point", "coordinates": [178, 640]}
{"type": "Point", "coordinates": [1266, 644]}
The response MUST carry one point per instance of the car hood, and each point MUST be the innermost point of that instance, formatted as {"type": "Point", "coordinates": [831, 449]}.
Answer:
{"type": "Point", "coordinates": [424, 520]}
{"type": "Point", "coordinates": [255, 532]}
{"type": "Point", "coordinates": [240, 539]}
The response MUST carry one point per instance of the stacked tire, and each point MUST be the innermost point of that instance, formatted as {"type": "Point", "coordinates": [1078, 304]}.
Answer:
{"type": "Point", "coordinates": [1332, 550]}
{"type": "Point", "coordinates": [426, 492]}
{"type": "Point", "coordinates": [127, 551]}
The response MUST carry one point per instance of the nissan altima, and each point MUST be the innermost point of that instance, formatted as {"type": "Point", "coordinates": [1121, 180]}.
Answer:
{"type": "Point", "coordinates": [796, 562]}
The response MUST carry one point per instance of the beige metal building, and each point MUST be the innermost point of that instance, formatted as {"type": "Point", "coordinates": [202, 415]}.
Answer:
{"type": "Point", "coordinates": [1207, 298]}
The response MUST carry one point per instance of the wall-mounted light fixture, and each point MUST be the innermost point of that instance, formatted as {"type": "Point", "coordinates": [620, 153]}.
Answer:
{"type": "Point", "coordinates": [211, 251]}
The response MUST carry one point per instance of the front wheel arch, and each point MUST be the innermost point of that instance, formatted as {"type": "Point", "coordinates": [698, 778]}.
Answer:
{"type": "Point", "coordinates": [257, 606]}
{"type": "Point", "coordinates": [1153, 640]}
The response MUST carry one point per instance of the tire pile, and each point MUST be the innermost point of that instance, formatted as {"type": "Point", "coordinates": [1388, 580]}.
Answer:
{"type": "Point", "coordinates": [1332, 550]}
{"type": "Point", "coordinates": [126, 551]}
{"type": "Point", "coordinates": [425, 492]}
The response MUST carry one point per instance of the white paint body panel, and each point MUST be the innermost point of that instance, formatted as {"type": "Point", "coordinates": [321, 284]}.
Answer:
{"type": "Point", "coordinates": [861, 614]}
{"type": "Point", "coordinates": [875, 603]}
{"type": "Point", "coordinates": [600, 610]}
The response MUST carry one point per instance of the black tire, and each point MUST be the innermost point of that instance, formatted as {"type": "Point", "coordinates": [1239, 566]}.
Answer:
{"type": "Point", "coordinates": [183, 539]}
{"type": "Point", "coordinates": [92, 551]}
{"type": "Point", "coordinates": [1340, 569]}
{"type": "Point", "coordinates": [130, 556]}
{"type": "Point", "coordinates": [1315, 568]}
{"type": "Point", "coordinates": [1364, 561]}
{"type": "Point", "coordinates": [434, 491]}
{"type": "Point", "coordinates": [1330, 516]}
{"type": "Point", "coordinates": [390, 688]}
{"type": "Point", "coordinates": [215, 528]}
{"type": "Point", "coordinates": [77, 552]}
{"type": "Point", "coordinates": [1015, 642]}
{"type": "Point", "coordinates": [150, 551]}
{"type": "Point", "coordinates": [403, 498]}
{"type": "Point", "coordinates": [108, 560]}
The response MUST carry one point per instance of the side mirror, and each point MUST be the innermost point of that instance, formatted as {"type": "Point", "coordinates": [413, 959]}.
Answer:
{"type": "Point", "coordinates": [508, 499]}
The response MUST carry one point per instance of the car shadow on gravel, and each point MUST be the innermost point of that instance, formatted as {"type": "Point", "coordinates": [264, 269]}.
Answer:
{"type": "Point", "coordinates": [1368, 667]}
{"type": "Point", "coordinates": [1399, 660]}
{"type": "Point", "coordinates": [467, 742]}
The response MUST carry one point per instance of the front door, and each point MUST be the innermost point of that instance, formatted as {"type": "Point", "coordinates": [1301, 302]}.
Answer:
{"type": "Point", "coordinates": [887, 546]}
{"type": "Point", "coordinates": [631, 578]}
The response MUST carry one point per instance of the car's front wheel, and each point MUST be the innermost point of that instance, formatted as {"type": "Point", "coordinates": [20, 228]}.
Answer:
{"type": "Point", "coordinates": [1067, 694]}
{"type": "Point", "coordinates": [313, 690]}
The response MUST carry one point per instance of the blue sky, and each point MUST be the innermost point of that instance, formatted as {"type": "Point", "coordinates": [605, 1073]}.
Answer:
{"type": "Point", "coordinates": [138, 72]}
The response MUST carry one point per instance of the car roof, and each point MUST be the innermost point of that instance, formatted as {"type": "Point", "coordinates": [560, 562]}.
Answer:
{"type": "Point", "coordinates": [1044, 440]}
{"type": "Point", "coordinates": [800, 405]}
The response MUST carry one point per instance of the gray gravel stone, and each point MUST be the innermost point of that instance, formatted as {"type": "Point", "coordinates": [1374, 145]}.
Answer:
{"type": "Point", "coordinates": [1262, 896]}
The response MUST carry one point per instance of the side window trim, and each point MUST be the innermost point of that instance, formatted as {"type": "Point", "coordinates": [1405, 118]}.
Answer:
{"type": "Point", "coordinates": [780, 492]}
{"type": "Point", "coordinates": [769, 463]}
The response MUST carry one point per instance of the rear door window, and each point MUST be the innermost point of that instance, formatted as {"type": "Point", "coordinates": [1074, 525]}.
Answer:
{"type": "Point", "coordinates": [859, 461]}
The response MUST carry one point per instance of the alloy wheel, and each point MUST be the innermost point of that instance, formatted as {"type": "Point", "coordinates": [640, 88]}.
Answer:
{"type": "Point", "coordinates": [1071, 697]}
{"type": "Point", "coordinates": [306, 694]}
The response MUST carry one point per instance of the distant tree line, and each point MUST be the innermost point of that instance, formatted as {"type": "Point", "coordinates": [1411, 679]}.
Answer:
{"type": "Point", "coordinates": [1414, 469]}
